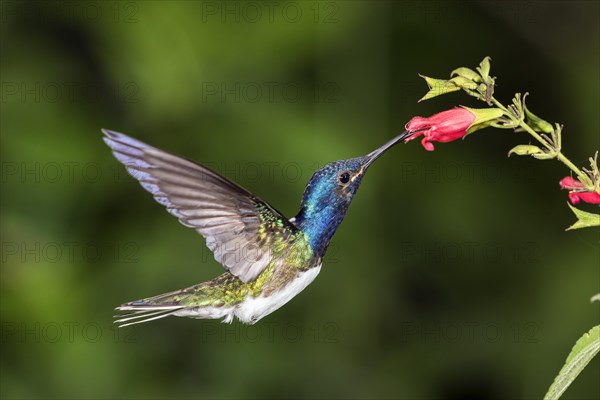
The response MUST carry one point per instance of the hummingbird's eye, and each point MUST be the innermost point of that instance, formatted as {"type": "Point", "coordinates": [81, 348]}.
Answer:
{"type": "Point", "coordinates": [344, 177]}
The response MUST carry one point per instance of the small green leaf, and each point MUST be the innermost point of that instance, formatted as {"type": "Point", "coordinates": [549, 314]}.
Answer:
{"type": "Point", "coordinates": [467, 73]}
{"type": "Point", "coordinates": [584, 219]}
{"type": "Point", "coordinates": [584, 350]}
{"type": "Point", "coordinates": [537, 123]}
{"type": "Point", "coordinates": [525, 150]}
{"type": "Point", "coordinates": [438, 87]}
{"type": "Point", "coordinates": [433, 82]}
{"type": "Point", "coordinates": [463, 83]}
{"type": "Point", "coordinates": [484, 68]}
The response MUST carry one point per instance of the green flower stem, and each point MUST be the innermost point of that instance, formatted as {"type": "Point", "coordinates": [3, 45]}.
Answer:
{"type": "Point", "coordinates": [582, 177]}
{"type": "Point", "coordinates": [559, 155]}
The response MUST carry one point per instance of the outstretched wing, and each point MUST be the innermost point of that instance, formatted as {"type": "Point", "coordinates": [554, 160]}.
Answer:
{"type": "Point", "coordinates": [237, 225]}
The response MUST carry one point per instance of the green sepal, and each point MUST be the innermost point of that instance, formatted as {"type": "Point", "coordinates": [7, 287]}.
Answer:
{"type": "Point", "coordinates": [545, 156]}
{"type": "Point", "coordinates": [531, 150]}
{"type": "Point", "coordinates": [538, 124]}
{"type": "Point", "coordinates": [484, 68]}
{"type": "Point", "coordinates": [584, 219]}
{"type": "Point", "coordinates": [525, 150]}
{"type": "Point", "coordinates": [484, 114]}
{"type": "Point", "coordinates": [467, 73]}
{"type": "Point", "coordinates": [464, 83]}
{"type": "Point", "coordinates": [438, 87]}
{"type": "Point", "coordinates": [475, 128]}
{"type": "Point", "coordinates": [486, 89]}
{"type": "Point", "coordinates": [484, 117]}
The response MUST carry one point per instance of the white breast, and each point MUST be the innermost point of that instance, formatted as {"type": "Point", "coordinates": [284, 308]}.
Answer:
{"type": "Point", "coordinates": [253, 309]}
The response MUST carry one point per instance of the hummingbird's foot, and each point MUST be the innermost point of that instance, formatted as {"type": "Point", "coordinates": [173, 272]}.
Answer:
{"type": "Point", "coordinates": [228, 319]}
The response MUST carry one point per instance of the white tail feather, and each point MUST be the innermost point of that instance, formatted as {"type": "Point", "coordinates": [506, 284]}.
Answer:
{"type": "Point", "coordinates": [144, 314]}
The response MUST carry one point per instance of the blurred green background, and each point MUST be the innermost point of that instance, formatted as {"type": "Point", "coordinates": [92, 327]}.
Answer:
{"type": "Point", "coordinates": [451, 277]}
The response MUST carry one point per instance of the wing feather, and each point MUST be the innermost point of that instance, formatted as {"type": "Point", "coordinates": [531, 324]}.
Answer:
{"type": "Point", "coordinates": [225, 214]}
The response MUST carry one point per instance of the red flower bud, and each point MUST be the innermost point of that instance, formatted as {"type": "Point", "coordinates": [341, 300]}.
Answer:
{"type": "Point", "coordinates": [446, 126]}
{"type": "Point", "coordinates": [577, 192]}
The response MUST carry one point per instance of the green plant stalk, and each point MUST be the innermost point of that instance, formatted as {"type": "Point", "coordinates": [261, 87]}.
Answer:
{"type": "Point", "coordinates": [559, 154]}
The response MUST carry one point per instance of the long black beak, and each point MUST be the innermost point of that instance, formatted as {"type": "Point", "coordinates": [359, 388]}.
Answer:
{"type": "Point", "coordinates": [374, 155]}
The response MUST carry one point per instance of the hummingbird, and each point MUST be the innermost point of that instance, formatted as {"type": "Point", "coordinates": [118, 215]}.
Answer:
{"type": "Point", "coordinates": [268, 258]}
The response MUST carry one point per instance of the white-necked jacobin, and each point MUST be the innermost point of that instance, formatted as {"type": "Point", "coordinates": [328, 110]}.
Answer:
{"type": "Point", "coordinates": [269, 258]}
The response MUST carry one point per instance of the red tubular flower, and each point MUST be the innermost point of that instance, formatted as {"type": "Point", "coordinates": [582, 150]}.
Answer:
{"type": "Point", "coordinates": [451, 124]}
{"type": "Point", "coordinates": [446, 126]}
{"type": "Point", "coordinates": [577, 191]}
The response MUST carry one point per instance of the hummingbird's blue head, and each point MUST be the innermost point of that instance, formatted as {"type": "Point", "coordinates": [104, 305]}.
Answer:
{"type": "Point", "coordinates": [329, 193]}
